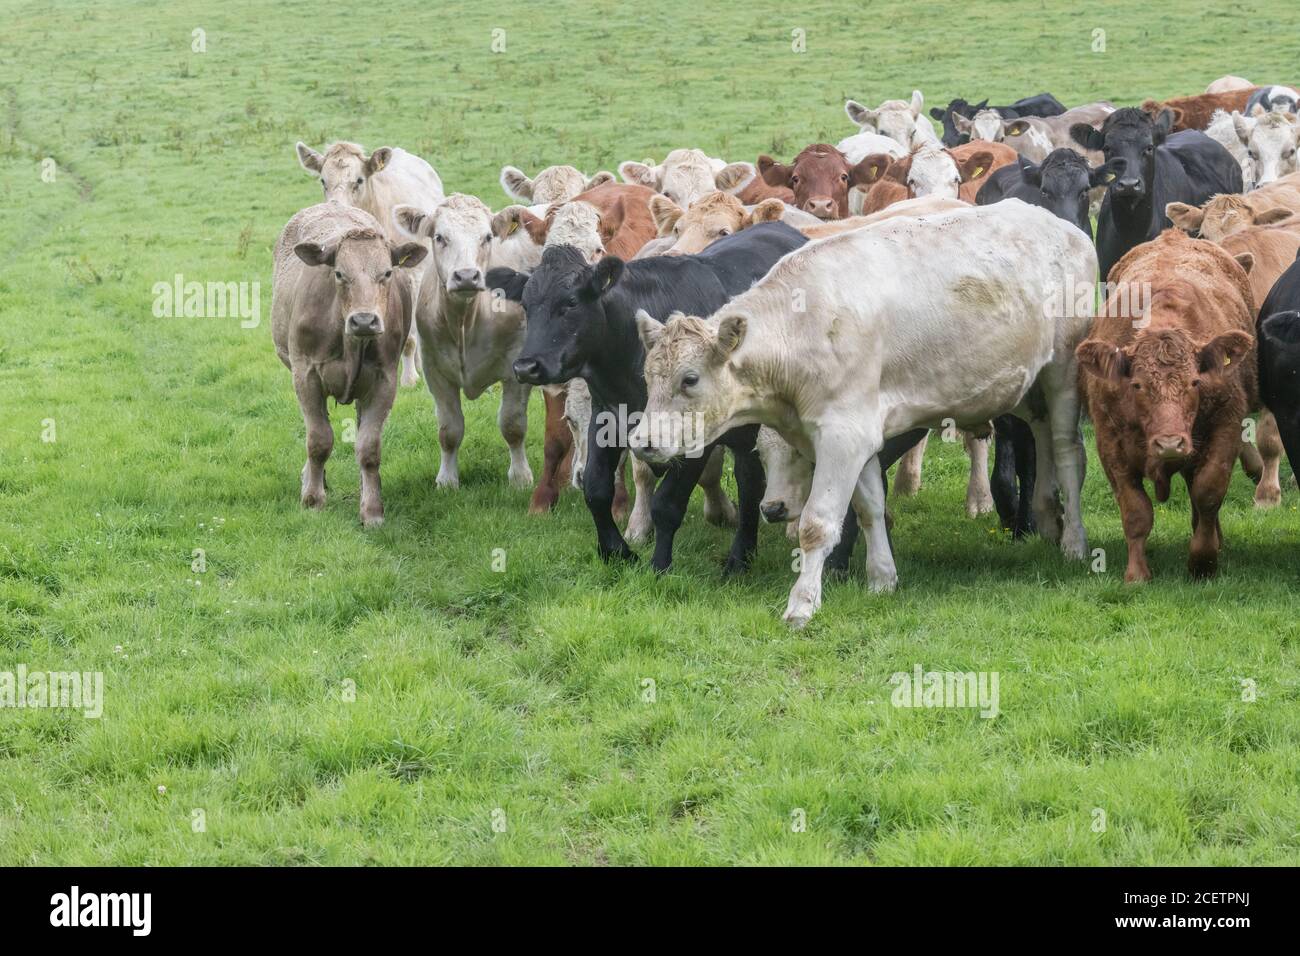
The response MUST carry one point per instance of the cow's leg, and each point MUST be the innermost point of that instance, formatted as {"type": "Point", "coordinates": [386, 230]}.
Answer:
{"type": "Point", "coordinates": [668, 507]}
{"type": "Point", "coordinates": [840, 457]}
{"type": "Point", "coordinates": [1006, 498]}
{"type": "Point", "coordinates": [410, 374]}
{"type": "Point", "coordinates": [1137, 517]}
{"type": "Point", "coordinates": [1046, 504]}
{"type": "Point", "coordinates": [451, 426]}
{"type": "Point", "coordinates": [1207, 488]}
{"type": "Point", "coordinates": [907, 480]}
{"type": "Point", "coordinates": [320, 436]}
{"type": "Point", "coordinates": [751, 486]}
{"type": "Point", "coordinates": [639, 525]}
{"type": "Point", "coordinates": [718, 507]}
{"type": "Point", "coordinates": [557, 450]}
{"type": "Point", "coordinates": [512, 419]}
{"type": "Point", "coordinates": [1268, 494]}
{"type": "Point", "coordinates": [598, 491]}
{"type": "Point", "coordinates": [837, 562]}
{"type": "Point", "coordinates": [1026, 452]}
{"type": "Point", "coordinates": [1069, 459]}
{"type": "Point", "coordinates": [621, 497]}
{"type": "Point", "coordinates": [869, 503]}
{"type": "Point", "coordinates": [1252, 463]}
{"type": "Point", "coordinates": [371, 415]}
{"type": "Point", "coordinates": [979, 497]}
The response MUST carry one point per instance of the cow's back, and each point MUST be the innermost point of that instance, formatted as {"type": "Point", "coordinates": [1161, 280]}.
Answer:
{"type": "Point", "coordinates": [1209, 167]}
{"type": "Point", "coordinates": [406, 180]}
{"type": "Point", "coordinates": [741, 259]}
{"type": "Point", "coordinates": [1273, 249]}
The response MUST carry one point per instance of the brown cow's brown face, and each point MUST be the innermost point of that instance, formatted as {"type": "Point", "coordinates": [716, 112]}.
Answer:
{"type": "Point", "coordinates": [1162, 377]}
{"type": "Point", "coordinates": [362, 265]}
{"type": "Point", "coordinates": [820, 178]}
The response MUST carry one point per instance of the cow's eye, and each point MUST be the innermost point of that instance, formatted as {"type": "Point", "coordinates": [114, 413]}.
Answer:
{"type": "Point", "coordinates": [487, 238]}
{"type": "Point", "coordinates": [338, 275]}
{"type": "Point", "coordinates": [1196, 383]}
{"type": "Point", "coordinates": [1137, 386]}
{"type": "Point", "coordinates": [388, 274]}
{"type": "Point", "coordinates": [723, 232]}
{"type": "Point", "coordinates": [1148, 151]}
{"type": "Point", "coordinates": [794, 181]}
{"type": "Point", "coordinates": [359, 181]}
{"type": "Point", "coordinates": [690, 379]}
{"type": "Point", "coordinates": [439, 239]}
{"type": "Point", "coordinates": [844, 177]}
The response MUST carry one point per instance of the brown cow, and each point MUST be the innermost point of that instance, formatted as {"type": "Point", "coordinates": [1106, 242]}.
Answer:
{"type": "Point", "coordinates": [1168, 386]}
{"type": "Point", "coordinates": [341, 311]}
{"type": "Point", "coordinates": [1195, 112]}
{"type": "Point", "coordinates": [820, 178]}
{"type": "Point", "coordinates": [1225, 214]}
{"type": "Point", "coordinates": [956, 173]}
{"type": "Point", "coordinates": [710, 218]}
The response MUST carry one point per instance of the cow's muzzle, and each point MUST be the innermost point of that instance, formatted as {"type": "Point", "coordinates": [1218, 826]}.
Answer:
{"type": "Point", "coordinates": [774, 512]}
{"type": "Point", "coordinates": [364, 325]}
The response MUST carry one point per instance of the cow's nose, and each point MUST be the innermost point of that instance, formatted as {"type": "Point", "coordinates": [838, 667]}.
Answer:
{"type": "Point", "coordinates": [364, 323]}
{"type": "Point", "coordinates": [773, 511]}
{"type": "Point", "coordinates": [822, 208]}
{"type": "Point", "coordinates": [1129, 185]}
{"type": "Point", "coordinates": [466, 280]}
{"type": "Point", "coordinates": [1169, 446]}
{"type": "Point", "coordinates": [528, 371]}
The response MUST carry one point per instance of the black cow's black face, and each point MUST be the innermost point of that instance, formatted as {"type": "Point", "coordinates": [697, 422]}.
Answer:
{"type": "Point", "coordinates": [1064, 182]}
{"type": "Point", "coordinates": [1129, 135]}
{"type": "Point", "coordinates": [951, 137]}
{"type": "Point", "coordinates": [564, 311]}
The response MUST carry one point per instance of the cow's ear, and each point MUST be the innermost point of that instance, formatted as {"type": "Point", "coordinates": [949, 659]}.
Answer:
{"type": "Point", "coordinates": [1271, 217]}
{"type": "Point", "coordinates": [734, 176]}
{"type": "Point", "coordinates": [1087, 137]}
{"type": "Point", "coordinates": [859, 114]}
{"type": "Point", "coordinates": [1281, 328]}
{"type": "Point", "coordinates": [1103, 360]}
{"type": "Point", "coordinates": [1223, 351]}
{"type": "Point", "coordinates": [731, 332]}
{"type": "Point", "coordinates": [1242, 127]}
{"type": "Point", "coordinates": [962, 123]}
{"type": "Point", "coordinates": [665, 213]}
{"type": "Point", "coordinates": [516, 184]}
{"type": "Point", "coordinates": [774, 173]}
{"type": "Point", "coordinates": [507, 283]}
{"type": "Point", "coordinates": [1017, 127]}
{"type": "Point", "coordinates": [408, 254]}
{"type": "Point", "coordinates": [975, 165]}
{"type": "Point", "coordinates": [639, 174]}
{"type": "Point", "coordinates": [936, 113]}
{"type": "Point", "coordinates": [1030, 173]}
{"type": "Point", "coordinates": [378, 160]}
{"type": "Point", "coordinates": [314, 254]}
{"type": "Point", "coordinates": [769, 210]}
{"type": "Point", "coordinates": [413, 221]}
{"type": "Point", "coordinates": [1246, 260]}
{"type": "Point", "coordinates": [600, 179]}
{"type": "Point", "coordinates": [611, 220]}
{"type": "Point", "coordinates": [649, 330]}
{"type": "Point", "coordinates": [918, 102]}
{"type": "Point", "coordinates": [871, 169]}
{"type": "Point", "coordinates": [981, 105]}
{"type": "Point", "coordinates": [1164, 123]}
{"type": "Point", "coordinates": [508, 220]}
{"type": "Point", "coordinates": [1185, 217]}
{"type": "Point", "coordinates": [603, 276]}
{"type": "Point", "coordinates": [309, 159]}
{"type": "Point", "coordinates": [1106, 173]}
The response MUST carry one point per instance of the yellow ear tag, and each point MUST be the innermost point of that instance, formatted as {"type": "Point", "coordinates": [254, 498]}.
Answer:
{"type": "Point", "coordinates": [976, 174]}
{"type": "Point", "coordinates": [1227, 360]}
{"type": "Point", "coordinates": [1110, 177]}
{"type": "Point", "coordinates": [514, 224]}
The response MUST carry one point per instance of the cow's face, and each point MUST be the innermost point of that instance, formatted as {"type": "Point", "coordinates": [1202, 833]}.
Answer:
{"type": "Point", "coordinates": [1222, 216]}
{"type": "Point", "coordinates": [689, 382]}
{"type": "Point", "coordinates": [362, 263]}
{"type": "Point", "coordinates": [789, 477]}
{"type": "Point", "coordinates": [1270, 140]}
{"type": "Point", "coordinates": [716, 215]}
{"type": "Point", "coordinates": [553, 184]}
{"type": "Point", "coordinates": [1132, 136]}
{"type": "Point", "coordinates": [988, 126]}
{"type": "Point", "coordinates": [686, 175]}
{"type": "Point", "coordinates": [344, 170]}
{"type": "Point", "coordinates": [577, 415]}
{"type": "Point", "coordinates": [952, 136]}
{"type": "Point", "coordinates": [937, 172]}
{"type": "Point", "coordinates": [563, 303]}
{"type": "Point", "coordinates": [820, 178]}
{"type": "Point", "coordinates": [1065, 182]}
{"type": "Point", "coordinates": [1159, 378]}
{"type": "Point", "coordinates": [579, 224]}
{"type": "Point", "coordinates": [460, 228]}
{"type": "Point", "coordinates": [893, 118]}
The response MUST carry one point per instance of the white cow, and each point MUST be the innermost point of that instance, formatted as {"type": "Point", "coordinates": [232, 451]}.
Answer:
{"type": "Point", "coordinates": [1270, 141]}
{"type": "Point", "coordinates": [378, 183]}
{"type": "Point", "coordinates": [687, 174]}
{"type": "Point", "coordinates": [468, 339]}
{"type": "Point", "coordinates": [1223, 131]}
{"type": "Point", "coordinates": [552, 184]}
{"type": "Point", "coordinates": [903, 122]}
{"type": "Point", "coordinates": [965, 315]}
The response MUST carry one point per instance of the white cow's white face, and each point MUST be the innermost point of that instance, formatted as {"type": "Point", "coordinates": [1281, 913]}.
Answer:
{"type": "Point", "coordinates": [1271, 140]}
{"type": "Point", "coordinates": [989, 126]}
{"type": "Point", "coordinates": [577, 224]}
{"type": "Point", "coordinates": [344, 170]}
{"type": "Point", "coordinates": [789, 477]}
{"type": "Point", "coordinates": [933, 173]}
{"type": "Point", "coordinates": [461, 230]}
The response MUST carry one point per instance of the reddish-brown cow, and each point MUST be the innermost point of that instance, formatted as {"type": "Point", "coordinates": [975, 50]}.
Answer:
{"type": "Point", "coordinates": [1168, 385]}
{"type": "Point", "coordinates": [820, 178]}
{"type": "Point", "coordinates": [1195, 112]}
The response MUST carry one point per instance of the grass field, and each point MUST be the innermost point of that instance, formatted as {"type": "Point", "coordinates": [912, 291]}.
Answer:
{"type": "Point", "coordinates": [327, 695]}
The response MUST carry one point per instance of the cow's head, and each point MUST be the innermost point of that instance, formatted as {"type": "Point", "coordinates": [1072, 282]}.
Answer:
{"type": "Point", "coordinates": [1159, 380]}
{"type": "Point", "coordinates": [1133, 136]}
{"type": "Point", "coordinates": [1222, 216]}
{"type": "Point", "coordinates": [686, 175]}
{"type": "Point", "coordinates": [362, 262]}
{"type": "Point", "coordinates": [789, 477]}
{"type": "Point", "coordinates": [552, 184]}
{"type": "Point", "coordinates": [1064, 182]}
{"type": "Point", "coordinates": [716, 215]}
{"type": "Point", "coordinates": [689, 379]}
{"type": "Point", "coordinates": [952, 136]}
{"type": "Point", "coordinates": [1271, 140]}
{"type": "Point", "coordinates": [989, 126]}
{"type": "Point", "coordinates": [344, 170]}
{"type": "Point", "coordinates": [563, 303]}
{"type": "Point", "coordinates": [578, 224]}
{"type": "Point", "coordinates": [935, 171]}
{"type": "Point", "coordinates": [820, 178]}
{"type": "Point", "coordinates": [1154, 109]}
{"type": "Point", "coordinates": [893, 118]}
{"type": "Point", "coordinates": [460, 228]}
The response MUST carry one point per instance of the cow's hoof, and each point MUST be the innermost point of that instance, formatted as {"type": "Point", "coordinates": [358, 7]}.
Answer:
{"type": "Point", "coordinates": [1137, 575]}
{"type": "Point", "coordinates": [799, 616]}
{"type": "Point", "coordinates": [638, 533]}
{"type": "Point", "coordinates": [314, 500]}
{"type": "Point", "coordinates": [1203, 567]}
{"type": "Point", "coordinates": [373, 520]}
{"type": "Point", "coordinates": [542, 505]}
{"type": "Point", "coordinates": [882, 580]}
{"type": "Point", "coordinates": [734, 565]}
{"type": "Point", "coordinates": [1074, 545]}
{"type": "Point", "coordinates": [447, 481]}
{"type": "Point", "coordinates": [721, 513]}
{"type": "Point", "coordinates": [979, 505]}
{"type": "Point", "coordinates": [410, 378]}
{"type": "Point", "coordinates": [624, 554]}
{"type": "Point", "coordinates": [521, 478]}
{"type": "Point", "coordinates": [1268, 497]}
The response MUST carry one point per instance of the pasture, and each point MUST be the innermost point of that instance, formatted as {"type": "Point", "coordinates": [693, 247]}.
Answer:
{"type": "Point", "coordinates": [468, 683]}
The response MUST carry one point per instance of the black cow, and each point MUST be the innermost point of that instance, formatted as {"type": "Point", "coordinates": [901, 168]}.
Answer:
{"type": "Point", "coordinates": [581, 324]}
{"type": "Point", "coordinates": [1278, 336]}
{"type": "Point", "coordinates": [1060, 184]}
{"type": "Point", "coordinates": [1157, 169]}
{"type": "Point", "coordinates": [1044, 104]}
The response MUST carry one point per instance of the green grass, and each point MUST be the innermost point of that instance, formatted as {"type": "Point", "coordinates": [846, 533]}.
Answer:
{"type": "Point", "coordinates": [522, 691]}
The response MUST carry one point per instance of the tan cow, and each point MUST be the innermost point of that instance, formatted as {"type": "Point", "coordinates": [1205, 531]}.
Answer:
{"type": "Point", "coordinates": [715, 215]}
{"type": "Point", "coordinates": [552, 184]}
{"type": "Point", "coordinates": [901, 120]}
{"type": "Point", "coordinates": [687, 174]}
{"type": "Point", "coordinates": [1226, 84]}
{"type": "Point", "coordinates": [340, 312]}
{"type": "Point", "coordinates": [378, 183]}
{"type": "Point", "coordinates": [1227, 213]}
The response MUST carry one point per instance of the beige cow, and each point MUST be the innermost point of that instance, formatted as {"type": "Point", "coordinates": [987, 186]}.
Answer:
{"type": "Point", "coordinates": [378, 183]}
{"type": "Point", "coordinates": [687, 174]}
{"type": "Point", "coordinates": [340, 312]}
{"type": "Point", "coordinates": [1228, 213]}
{"type": "Point", "coordinates": [1270, 141]}
{"type": "Point", "coordinates": [902, 121]}
{"type": "Point", "coordinates": [1226, 84]}
{"type": "Point", "coordinates": [709, 218]}
{"type": "Point", "coordinates": [552, 184]}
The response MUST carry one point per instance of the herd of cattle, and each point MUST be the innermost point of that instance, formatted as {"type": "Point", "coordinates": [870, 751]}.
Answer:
{"type": "Point", "coordinates": [818, 317]}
